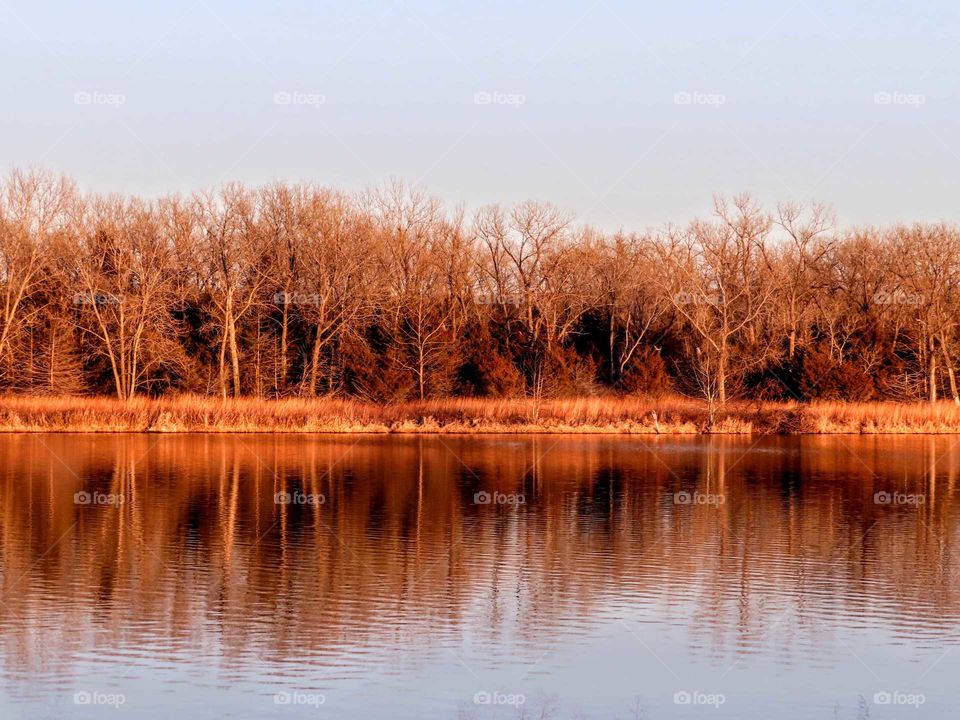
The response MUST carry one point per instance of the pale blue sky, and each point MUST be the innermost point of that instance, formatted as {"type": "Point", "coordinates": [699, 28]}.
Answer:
{"type": "Point", "coordinates": [782, 100]}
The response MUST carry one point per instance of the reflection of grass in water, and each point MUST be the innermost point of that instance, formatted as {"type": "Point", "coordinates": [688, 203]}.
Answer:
{"type": "Point", "coordinates": [646, 415]}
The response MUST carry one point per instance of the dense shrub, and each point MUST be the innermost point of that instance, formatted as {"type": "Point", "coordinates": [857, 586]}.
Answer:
{"type": "Point", "coordinates": [646, 374]}
{"type": "Point", "coordinates": [823, 378]}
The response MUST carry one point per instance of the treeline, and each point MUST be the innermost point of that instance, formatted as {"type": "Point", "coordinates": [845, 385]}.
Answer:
{"type": "Point", "coordinates": [301, 290]}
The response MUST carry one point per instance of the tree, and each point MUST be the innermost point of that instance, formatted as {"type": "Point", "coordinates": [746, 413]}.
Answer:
{"type": "Point", "coordinates": [928, 268]}
{"type": "Point", "coordinates": [229, 260]}
{"type": "Point", "coordinates": [36, 209]}
{"type": "Point", "coordinates": [332, 291]}
{"type": "Point", "coordinates": [712, 280]}
{"type": "Point", "coordinates": [124, 286]}
{"type": "Point", "coordinates": [412, 232]}
{"type": "Point", "coordinates": [525, 249]}
{"type": "Point", "coordinates": [796, 266]}
{"type": "Point", "coordinates": [631, 296]}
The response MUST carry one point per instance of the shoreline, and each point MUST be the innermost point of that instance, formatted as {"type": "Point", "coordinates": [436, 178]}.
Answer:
{"type": "Point", "coordinates": [670, 415]}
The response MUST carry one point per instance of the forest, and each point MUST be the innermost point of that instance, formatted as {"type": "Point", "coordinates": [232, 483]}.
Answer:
{"type": "Point", "coordinates": [386, 295]}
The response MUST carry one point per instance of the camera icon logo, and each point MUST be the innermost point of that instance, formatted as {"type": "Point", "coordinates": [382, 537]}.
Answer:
{"type": "Point", "coordinates": [482, 698]}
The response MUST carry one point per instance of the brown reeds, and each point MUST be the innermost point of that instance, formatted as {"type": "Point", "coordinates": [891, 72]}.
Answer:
{"type": "Point", "coordinates": [630, 415]}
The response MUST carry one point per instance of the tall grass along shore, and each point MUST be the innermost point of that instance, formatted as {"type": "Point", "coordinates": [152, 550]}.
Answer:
{"type": "Point", "coordinates": [633, 415]}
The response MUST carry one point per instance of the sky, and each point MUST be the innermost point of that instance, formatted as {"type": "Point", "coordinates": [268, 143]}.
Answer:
{"type": "Point", "coordinates": [627, 114]}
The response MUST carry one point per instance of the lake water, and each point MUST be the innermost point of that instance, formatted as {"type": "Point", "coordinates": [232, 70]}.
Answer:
{"type": "Point", "coordinates": [495, 577]}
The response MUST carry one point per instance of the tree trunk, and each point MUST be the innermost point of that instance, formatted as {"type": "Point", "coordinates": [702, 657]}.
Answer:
{"type": "Point", "coordinates": [222, 365]}
{"type": "Point", "coordinates": [933, 377]}
{"type": "Point", "coordinates": [948, 361]}
{"type": "Point", "coordinates": [224, 342]}
{"type": "Point", "coordinates": [421, 369]}
{"type": "Point", "coordinates": [315, 361]}
{"type": "Point", "coordinates": [283, 338]}
{"type": "Point", "coordinates": [234, 358]}
{"type": "Point", "coordinates": [953, 385]}
{"type": "Point", "coordinates": [331, 368]}
{"type": "Point", "coordinates": [722, 376]}
{"type": "Point", "coordinates": [257, 377]}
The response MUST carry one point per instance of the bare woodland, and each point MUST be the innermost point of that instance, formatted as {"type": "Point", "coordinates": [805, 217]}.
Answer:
{"type": "Point", "coordinates": [387, 295]}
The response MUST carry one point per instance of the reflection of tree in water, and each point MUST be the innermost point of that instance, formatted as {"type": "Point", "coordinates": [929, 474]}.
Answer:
{"type": "Point", "coordinates": [398, 555]}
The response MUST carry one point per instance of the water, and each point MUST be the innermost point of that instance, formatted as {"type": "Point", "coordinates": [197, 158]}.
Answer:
{"type": "Point", "coordinates": [504, 577]}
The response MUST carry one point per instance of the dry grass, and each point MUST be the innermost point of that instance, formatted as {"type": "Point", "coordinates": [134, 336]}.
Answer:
{"type": "Point", "coordinates": [669, 415]}
{"type": "Point", "coordinates": [882, 418]}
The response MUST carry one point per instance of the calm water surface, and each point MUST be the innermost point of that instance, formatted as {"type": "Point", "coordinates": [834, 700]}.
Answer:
{"type": "Point", "coordinates": [369, 577]}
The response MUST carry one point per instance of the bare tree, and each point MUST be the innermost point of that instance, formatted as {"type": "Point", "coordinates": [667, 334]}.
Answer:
{"type": "Point", "coordinates": [796, 266]}
{"type": "Point", "coordinates": [336, 262]}
{"type": "Point", "coordinates": [283, 222]}
{"type": "Point", "coordinates": [712, 282]}
{"type": "Point", "coordinates": [124, 283]}
{"type": "Point", "coordinates": [525, 248]}
{"type": "Point", "coordinates": [35, 211]}
{"type": "Point", "coordinates": [231, 270]}
{"type": "Point", "coordinates": [626, 269]}
{"type": "Point", "coordinates": [928, 268]}
{"type": "Point", "coordinates": [413, 232]}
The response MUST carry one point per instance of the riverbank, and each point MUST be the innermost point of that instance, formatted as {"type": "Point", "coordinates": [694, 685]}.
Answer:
{"type": "Point", "coordinates": [608, 415]}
